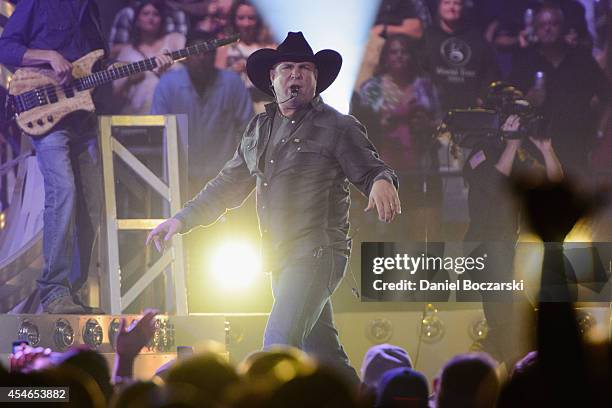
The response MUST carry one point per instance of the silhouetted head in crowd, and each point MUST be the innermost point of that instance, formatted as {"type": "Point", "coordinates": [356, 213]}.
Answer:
{"type": "Point", "coordinates": [381, 358]}
{"type": "Point", "coordinates": [450, 14]}
{"type": "Point", "coordinates": [147, 394]}
{"type": "Point", "coordinates": [525, 387]}
{"type": "Point", "coordinates": [467, 380]}
{"type": "Point", "coordinates": [147, 26]}
{"type": "Point", "coordinates": [275, 366]}
{"type": "Point", "coordinates": [398, 59]}
{"type": "Point", "coordinates": [201, 67]}
{"type": "Point", "coordinates": [322, 388]}
{"type": "Point", "coordinates": [209, 373]}
{"type": "Point", "coordinates": [90, 362]}
{"type": "Point", "coordinates": [403, 387]}
{"type": "Point", "coordinates": [549, 26]}
{"type": "Point", "coordinates": [84, 391]}
{"type": "Point", "coordinates": [245, 21]}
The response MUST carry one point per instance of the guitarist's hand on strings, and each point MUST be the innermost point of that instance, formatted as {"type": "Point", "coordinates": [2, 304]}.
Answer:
{"type": "Point", "coordinates": [163, 63]}
{"type": "Point", "coordinates": [60, 66]}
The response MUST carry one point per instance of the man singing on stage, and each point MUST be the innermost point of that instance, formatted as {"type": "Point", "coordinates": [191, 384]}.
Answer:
{"type": "Point", "coordinates": [300, 155]}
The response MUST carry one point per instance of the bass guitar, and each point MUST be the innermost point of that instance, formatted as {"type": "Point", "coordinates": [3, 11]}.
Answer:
{"type": "Point", "coordinates": [38, 102]}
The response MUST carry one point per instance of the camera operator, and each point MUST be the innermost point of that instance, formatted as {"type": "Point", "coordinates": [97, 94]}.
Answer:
{"type": "Point", "coordinates": [494, 222]}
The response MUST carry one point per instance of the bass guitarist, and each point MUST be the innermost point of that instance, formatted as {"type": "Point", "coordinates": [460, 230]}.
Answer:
{"type": "Point", "coordinates": [54, 33]}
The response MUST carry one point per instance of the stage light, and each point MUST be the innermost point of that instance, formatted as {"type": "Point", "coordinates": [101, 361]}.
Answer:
{"type": "Point", "coordinates": [432, 328]}
{"type": "Point", "coordinates": [63, 334]}
{"type": "Point", "coordinates": [479, 329]}
{"type": "Point", "coordinates": [585, 321]}
{"type": "Point", "coordinates": [92, 333]}
{"type": "Point", "coordinates": [163, 338]}
{"type": "Point", "coordinates": [235, 265]}
{"type": "Point", "coordinates": [113, 329]}
{"type": "Point", "coordinates": [28, 332]}
{"type": "Point", "coordinates": [379, 331]}
{"type": "Point", "coordinates": [342, 25]}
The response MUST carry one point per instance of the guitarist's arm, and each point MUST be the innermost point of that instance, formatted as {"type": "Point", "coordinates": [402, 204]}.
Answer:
{"type": "Point", "coordinates": [59, 64]}
{"type": "Point", "coordinates": [15, 39]}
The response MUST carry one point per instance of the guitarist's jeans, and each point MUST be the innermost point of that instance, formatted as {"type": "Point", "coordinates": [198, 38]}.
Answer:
{"type": "Point", "coordinates": [69, 162]}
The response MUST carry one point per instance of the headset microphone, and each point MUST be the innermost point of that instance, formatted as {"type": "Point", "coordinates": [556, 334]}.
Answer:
{"type": "Point", "coordinates": [295, 90]}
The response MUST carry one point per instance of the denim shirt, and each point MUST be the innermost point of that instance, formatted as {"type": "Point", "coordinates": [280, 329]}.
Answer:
{"type": "Point", "coordinates": [303, 189]}
{"type": "Point", "coordinates": [70, 27]}
{"type": "Point", "coordinates": [216, 119]}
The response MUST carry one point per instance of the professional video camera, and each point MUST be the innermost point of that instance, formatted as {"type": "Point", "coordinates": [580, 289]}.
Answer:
{"type": "Point", "coordinates": [469, 127]}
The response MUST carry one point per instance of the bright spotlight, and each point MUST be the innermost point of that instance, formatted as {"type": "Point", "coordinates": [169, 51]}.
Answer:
{"type": "Point", "coordinates": [235, 265]}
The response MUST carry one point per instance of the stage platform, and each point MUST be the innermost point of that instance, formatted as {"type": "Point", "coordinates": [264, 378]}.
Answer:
{"type": "Point", "coordinates": [431, 335]}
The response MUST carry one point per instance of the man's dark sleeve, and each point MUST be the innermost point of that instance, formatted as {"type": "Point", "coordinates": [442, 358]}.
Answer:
{"type": "Point", "coordinates": [359, 158]}
{"type": "Point", "coordinates": [226, 191]}
{"type": "Point", "coordinates": [600, 82]}
{"type": "Point", "coordinates": [16, 34]}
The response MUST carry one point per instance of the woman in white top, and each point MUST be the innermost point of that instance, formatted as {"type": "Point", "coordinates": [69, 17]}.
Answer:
{"type": "Point", "coordinates": [245, 20]}
{"type": "Point", "coordinates": [147, 40]}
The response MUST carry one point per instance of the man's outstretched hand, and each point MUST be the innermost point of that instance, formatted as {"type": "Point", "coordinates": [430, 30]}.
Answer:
{"type": "Point", "coordinates": [384, 198]}
{"type": "Point", "coordinates": [163, 233]}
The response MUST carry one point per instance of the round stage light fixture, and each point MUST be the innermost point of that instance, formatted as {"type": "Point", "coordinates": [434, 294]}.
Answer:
{"type": "Point", "coordinates": [163, 337]}
{"type": "Point", "coordinates": [92, 333]}
{"type": "Point", "coordinates": [432, 327]}
{"type": "Point", "coordinates": [478, 329]}
{"type": "Point", "coordinates": [235, 265]}
{"type": "Point", "coordinates": [379, 331]}
{"type": "Point", "coordinates": [586, 321]}
{"type": "Point", "coordinates": [28, 331]}
{"type": "Point", "coordinates": [113, 329]}
{"type": "Point", "coordinates": [63, 334]}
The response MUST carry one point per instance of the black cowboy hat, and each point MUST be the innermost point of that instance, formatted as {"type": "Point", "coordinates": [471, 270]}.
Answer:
{"type": "Point", "coordinates": [295, 48]}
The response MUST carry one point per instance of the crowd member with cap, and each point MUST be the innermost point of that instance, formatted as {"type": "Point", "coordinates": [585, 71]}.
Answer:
{"type": "Point", "coordinates": [381, 358]}
{"type": "Point", "coordinates": [403, 388]}
{"type": "Point", "coordinates": [300, 156]}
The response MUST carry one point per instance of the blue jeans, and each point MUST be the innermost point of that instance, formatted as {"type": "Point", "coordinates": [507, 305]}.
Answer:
{"type": "Point", "coordinates": [302, 313]}
{"type": "Point", "coordinates": [68, 159]}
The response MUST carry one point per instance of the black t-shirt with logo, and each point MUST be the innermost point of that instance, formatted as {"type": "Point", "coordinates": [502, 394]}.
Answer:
{"type": "Point", "coordinates": [461, 65]}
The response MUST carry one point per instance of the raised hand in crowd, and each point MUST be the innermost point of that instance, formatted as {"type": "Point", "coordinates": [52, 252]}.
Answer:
{"type": "Point", "coordinates": [553, 208]}
{"type": "Point", "coordinates": [129, 341]}
{"type": "Point", "coordinates": [26, 358]}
